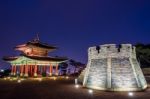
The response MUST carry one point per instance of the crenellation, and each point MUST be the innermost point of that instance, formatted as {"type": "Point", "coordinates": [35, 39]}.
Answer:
{"type": "Point", "coordinates": [126, 48]}
{"type": "Point", "coordinates": [111, 50]}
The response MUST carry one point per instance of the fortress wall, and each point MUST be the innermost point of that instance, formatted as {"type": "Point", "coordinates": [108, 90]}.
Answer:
{"type": "Point", "coordinates": [113, 68]}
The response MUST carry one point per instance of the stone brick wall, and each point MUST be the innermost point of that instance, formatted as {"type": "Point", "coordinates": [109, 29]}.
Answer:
{"type": "Point", "coordinates": [113, 68]}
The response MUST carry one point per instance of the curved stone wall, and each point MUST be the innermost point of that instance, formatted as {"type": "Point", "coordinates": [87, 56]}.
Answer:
{"type": "Point", "coordinates": [113, 68]}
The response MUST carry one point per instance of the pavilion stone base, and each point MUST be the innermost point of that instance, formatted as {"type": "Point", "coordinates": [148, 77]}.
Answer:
{"type": "Point", "coordinates": [113, 69]}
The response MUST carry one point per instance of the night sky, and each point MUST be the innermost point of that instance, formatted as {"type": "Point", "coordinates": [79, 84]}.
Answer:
{"type": "Point", "coordinates": [73, 25]}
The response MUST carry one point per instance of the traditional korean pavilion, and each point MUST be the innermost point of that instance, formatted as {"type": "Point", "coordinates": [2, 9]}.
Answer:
{"type": "Point", "coordinates": [34, 60]}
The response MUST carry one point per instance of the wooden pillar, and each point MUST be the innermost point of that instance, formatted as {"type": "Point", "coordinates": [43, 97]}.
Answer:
{"type": "Point", "coordinates": [26, 71]}
{"type": "Point", "coordinates": [35, 70]}
{"type": "Point", "coordinates": [14, 70]}
{"type": "Point", "coordinates": [56, 71]}
{"type": "Point", "coordinates": [31, 71]}
{"type": "Point", "coordinates": [50, 70]}
{"type": "Point", "coordinates": [21, 70]}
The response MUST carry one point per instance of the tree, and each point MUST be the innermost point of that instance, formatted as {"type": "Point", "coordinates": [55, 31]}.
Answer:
{"type": "Point", "coordinates": [143, 54]}
{"type": "Point", "coordinates": [64, 66]}
{"type": "Point", "coordinates": [76, 64]}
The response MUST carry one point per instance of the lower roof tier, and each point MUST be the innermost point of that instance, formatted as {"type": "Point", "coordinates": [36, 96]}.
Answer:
{"type": "Point", "coordinates": [34, 60]}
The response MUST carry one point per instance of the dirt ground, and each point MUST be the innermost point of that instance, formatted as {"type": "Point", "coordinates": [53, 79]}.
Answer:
{"type": "Point", "coordinates": [60, 88]}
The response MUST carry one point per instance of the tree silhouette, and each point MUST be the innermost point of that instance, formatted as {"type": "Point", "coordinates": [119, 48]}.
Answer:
{"type": "Point", "coordinates": [64, 66]}
{"type": "Point", "coordinates": [76, 64]}
{"type": "Point", "coordinates": [143, 54]}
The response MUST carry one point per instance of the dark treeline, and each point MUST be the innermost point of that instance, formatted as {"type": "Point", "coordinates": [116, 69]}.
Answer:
{"type": "Point", "coordinates": [143, 54]}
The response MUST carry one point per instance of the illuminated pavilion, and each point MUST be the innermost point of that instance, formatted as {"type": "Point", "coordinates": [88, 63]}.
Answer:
{"type": "Point", "coordinates": [34, 60]}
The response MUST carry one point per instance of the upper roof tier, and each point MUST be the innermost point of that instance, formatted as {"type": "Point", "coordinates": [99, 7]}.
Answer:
{"type": "Point", "coordinates": [35, 47]}
{"type": "Point", "coordinates": [37, 44]}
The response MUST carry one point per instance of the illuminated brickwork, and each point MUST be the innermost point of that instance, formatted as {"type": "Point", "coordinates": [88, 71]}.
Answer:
{"type": "Point", "coordinates": [114, 69]}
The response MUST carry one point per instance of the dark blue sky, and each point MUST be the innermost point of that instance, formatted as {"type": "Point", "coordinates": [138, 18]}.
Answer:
{"type": "Point", "coordinates": [73, 25]}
